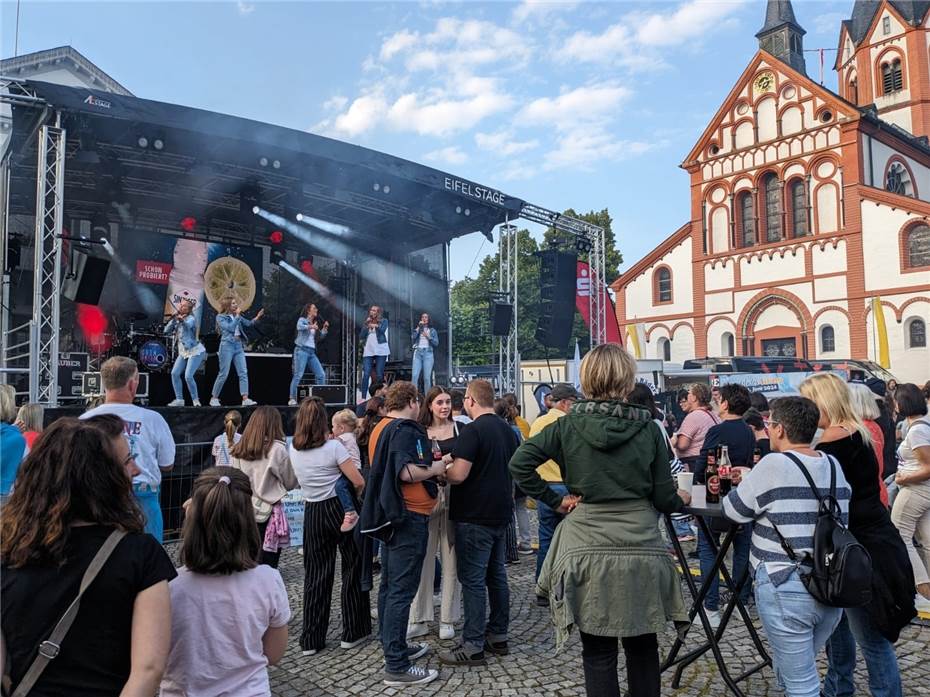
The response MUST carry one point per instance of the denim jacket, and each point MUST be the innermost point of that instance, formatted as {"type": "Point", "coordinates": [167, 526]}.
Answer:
{"type": "Point", "coordinates": [433, 339]}
{"type": "Point", "coordinates": [380, 331]}
{"type": "Point", "coordinates": [226, 324]}
{"type": "Point", "coordinates": [305, 336]}
{"type": "Point", "coordinates": [186, 329]}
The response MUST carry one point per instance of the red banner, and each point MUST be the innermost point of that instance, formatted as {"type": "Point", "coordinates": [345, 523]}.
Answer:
{"type": "Point", "coordinates": [155, 272]}
{"type": "Point", "coordinates": [582, 298]}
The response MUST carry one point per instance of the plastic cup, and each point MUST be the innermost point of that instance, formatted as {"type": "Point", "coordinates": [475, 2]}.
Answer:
{"type": "Point", "coordinates": [699, 496]}
{"type": "Point", "coordinates": [685, 481]}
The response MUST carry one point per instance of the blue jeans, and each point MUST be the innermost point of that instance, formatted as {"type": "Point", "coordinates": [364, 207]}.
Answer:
{"type": "Point", "coordinates": [345, 493]}
{"type": "Point", "coordinates": [423, 363]}
{"type": "Point", "coordinates": [369, 362]}
{"type": "Point", "coordinates": [149, 501]}
{"type": "Point", "coordinates": [480, 552]}
{"type": "Point", "coordinates": [232, 353]}
{"type": "Point", "coordinates": [304, 355]}
{"type": "Point", "coordinates": [856, 628]}
{"type": "Point", "coordinates": [797, 627]}
{"type": "Point", "coordinates": [401, 563]}
{"type": "Point", "coordinates": [741, 542]}
{"type": "Point", "coordinates": [186, 367]}
{"type": "Point", "coordinates": [548, 521]}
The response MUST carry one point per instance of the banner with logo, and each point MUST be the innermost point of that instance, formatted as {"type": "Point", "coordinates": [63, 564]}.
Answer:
{"type": "Point", "coordinates": [582, 302]}
{"type": "Point", "coordinates": [786, 383]}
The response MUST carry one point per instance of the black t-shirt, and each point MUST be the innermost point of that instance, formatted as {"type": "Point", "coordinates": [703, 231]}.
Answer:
{"type": "Point", "coordinates": [486, 496]}
{"type": "Point", "coordinates": [739, 439]}
{"type": "Point", "coordinates": [94, 659]}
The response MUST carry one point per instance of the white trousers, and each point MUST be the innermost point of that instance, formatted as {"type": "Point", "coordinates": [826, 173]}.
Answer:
{"type": "Point", "coordinates": [911, 515]}
{"type": "Point", "coordinates": [441, 536]}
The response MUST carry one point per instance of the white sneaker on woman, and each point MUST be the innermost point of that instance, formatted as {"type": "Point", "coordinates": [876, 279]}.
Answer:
{"type": "Point", "coordinates": [446, 631]}
{"type": "Point", "coordinates": [215, 402]}
{"type": "Point", "coordinates": [176, 403]}
{"type": "Point", "coordinates": [249, 402]}
{"type": "Point", "coordinates": [417, 629]}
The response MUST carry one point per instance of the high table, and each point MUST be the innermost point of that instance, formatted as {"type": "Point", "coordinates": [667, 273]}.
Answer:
{"type": "Point", "coordinates": [703, 515]}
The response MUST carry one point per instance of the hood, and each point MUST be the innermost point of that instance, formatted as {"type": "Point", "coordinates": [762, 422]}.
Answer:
{"type": "Point", "coordinates": [607, 425]}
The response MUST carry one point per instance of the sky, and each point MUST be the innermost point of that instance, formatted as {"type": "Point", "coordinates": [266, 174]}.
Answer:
{"type": "Point", "coordinates": [583, 105]}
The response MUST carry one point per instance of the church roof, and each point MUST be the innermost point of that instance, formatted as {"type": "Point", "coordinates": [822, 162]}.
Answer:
{"type": "Point", "coordinates": [912, 11]}
{"type": "Point", "coordinates": [27, 65]}
{"type": "Point", "coordinates": [778, 13]}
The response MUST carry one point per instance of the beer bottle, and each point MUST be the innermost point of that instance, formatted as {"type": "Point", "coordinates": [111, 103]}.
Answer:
{"type": "Point", "coordinates": [437, 455]}
{"type": "Point", "coordinates": [712, 477]}
{"type": "Point", "coordinates": [724, 470]}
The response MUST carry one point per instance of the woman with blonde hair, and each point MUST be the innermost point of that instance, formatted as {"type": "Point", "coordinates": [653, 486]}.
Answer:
{"type": "Point", "coordinates": [866, 410]}
{"type": "Point", "coordinates": [232, 326]}
{"type": "Point", "coordinates": [29, 422]}
{"type": "Point", "coordinates": [12, 443]}
{"type": "Point", "coordinates": [614, 462]}
{"type": "Point", "coordinates": [223, 443]}
{"type": "Point", "coordinates": [875, 626]}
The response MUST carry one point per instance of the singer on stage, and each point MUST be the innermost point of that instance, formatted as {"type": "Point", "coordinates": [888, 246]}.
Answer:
{"type": "Point", "coordinates": [308, 332]}
{"type": "Point", "coordinates": [376, 351]}
{"type": "Point", "coordinates": [191, 353]}
{"type": "Point", "coordinates": [425, 338]}
{"type": "Point", "coordinates": [232, 327]}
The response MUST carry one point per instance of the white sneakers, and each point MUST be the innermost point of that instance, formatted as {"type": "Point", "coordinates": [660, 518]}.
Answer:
{"type": "Point", "coordinates": [196, 402]}
{"type": "Point", "coordinates": [249, 402]}
{"type": "Point", "coordinates": [417, 629]}
{"type": "Point", "coordinates": [214, 402]}
{"type": "Point", "coordinates": [292, 402]}
{"type": "Point", "coordinates": [922, 604]}
{"type": "Point", "coordinates": [353, 644]}
{"type": "Point", "coordinates": [446, 631]}
{"type": "Point", "coordinates": [176, 403]}
{"type": "Point", "coordinates": [713, 617]}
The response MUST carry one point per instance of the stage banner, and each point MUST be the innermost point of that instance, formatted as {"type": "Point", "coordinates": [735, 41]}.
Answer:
{"type": "Point", "coordinates": [582, 294]}
{"type": "Point", "coordinates": [784, 383]}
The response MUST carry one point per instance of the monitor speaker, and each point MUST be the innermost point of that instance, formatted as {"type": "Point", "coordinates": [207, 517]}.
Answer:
{"type": "Point", "coordinates": [557, 288]}
{"type": "Point", "coordinates": [501, 317]}
{"type": "Point", "coordinates": [85, 279]}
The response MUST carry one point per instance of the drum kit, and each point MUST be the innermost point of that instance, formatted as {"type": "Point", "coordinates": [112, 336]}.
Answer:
{"type": "Point", "coordinates": [147, 344]}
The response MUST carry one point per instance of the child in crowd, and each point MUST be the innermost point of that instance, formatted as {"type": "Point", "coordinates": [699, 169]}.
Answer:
{"type": "Point", "coordinates": [224, 442]}
{"type": "Point", "coordinates": [229, 613]}
{"type": "Point", "coordinates": [345, 423]}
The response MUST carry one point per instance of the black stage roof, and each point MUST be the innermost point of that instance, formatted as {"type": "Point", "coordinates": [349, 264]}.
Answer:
{"type": "Point", "coordinates": [216, 167]}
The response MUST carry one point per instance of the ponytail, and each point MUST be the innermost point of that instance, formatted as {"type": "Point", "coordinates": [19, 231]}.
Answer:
{"type": "Point", "coordinates": [231, 423]}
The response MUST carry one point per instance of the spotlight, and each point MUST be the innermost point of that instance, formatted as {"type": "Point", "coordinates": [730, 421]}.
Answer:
{"type": "Point", "coordinates": [458, 209]}
{"type": "Point", "coordinates": [158, 144]}
{"type": "Point", "coordinates": [255, 210]}
{"type": "Point", "coordinates": [276, 164]}
{"type": "Point", "coordinates": [467, 211]}
{"type": "Point", "coordinates": [300, 217]}
{"type": "Point", "coordinates": [376, 186]}
{"type": "Point", "coordinates": [143, 142]}
{"type": "Point", "coordinates": [276, 237]}
{"type": "Point", "coordinates": [386, 189]}
{"type": "Point", "coordinates": [188, 224]}
{"type": "Point", "coordinates": [263, 161]}
{"type": "Point", "coordinates": [277, 259]}
{"type": "Point", "coordinates": [306, 266]}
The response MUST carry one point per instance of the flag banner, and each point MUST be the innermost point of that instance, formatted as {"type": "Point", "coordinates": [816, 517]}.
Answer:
{"type": "Point", "coordinates": [881, 333]}
{"type": "Point", "coordinates": [582, 295]}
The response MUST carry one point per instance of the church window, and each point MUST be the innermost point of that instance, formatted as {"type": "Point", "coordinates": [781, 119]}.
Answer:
{"type": "Point", "coordinates": [916, 333]}
{"type": "Point", "coordinates": [917, 246]}
{"type": "Point", "coordinates": [827, 339]}
{"type": "Point", "coordinates": [747, 219]}
{"type": "Point", "coordinates": [854, 91]}
{"type": "Point", "coordinates": [797, 195]}
{"type": "Point", "coordinates": [771, 191]}
{"type": "Point", "coordinates": [662, 293]}
{"type": "Point", "coordinates": [898, 180]}
{"type": "Point", "coordinates": [892, 76]}
{"type": "Point", "coordinates": [886, 25]}
{"type": "Point", "coordinates": [727, 344]}
{"type": "Point", "coordinates": [665, 349]}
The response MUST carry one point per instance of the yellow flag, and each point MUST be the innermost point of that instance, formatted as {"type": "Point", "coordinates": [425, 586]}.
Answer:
{"type": "Point", "coordinates": [881, 333]}
{"type": "Point", "coordinates": [636, 335]}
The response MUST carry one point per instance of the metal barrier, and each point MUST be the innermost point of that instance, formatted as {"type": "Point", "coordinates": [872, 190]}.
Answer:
{"type": "Point", "coordinates": [190, 460]}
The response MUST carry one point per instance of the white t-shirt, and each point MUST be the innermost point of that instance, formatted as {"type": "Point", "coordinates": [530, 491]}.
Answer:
{"type": "Point", "coordinates": [917, 435]}
{"type": "Point", "coordinates": [318, 470]}
{"type": "Point", "coordinates": [150, 440]}
{"type": "Point", "coordinates": [217, 625]}
{"type": "Point", "coordinates": [221, 448]}
{"type": "Point", "coordinates": [373, 348]}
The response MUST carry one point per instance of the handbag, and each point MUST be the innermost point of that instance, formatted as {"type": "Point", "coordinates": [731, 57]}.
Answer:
{"type": "Point", "coordinates": [260, 507]}
{"type": "Point", "coordinates": [51, 647]}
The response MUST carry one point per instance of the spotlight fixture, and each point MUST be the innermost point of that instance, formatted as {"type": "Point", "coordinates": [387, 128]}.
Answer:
{"type": "Point", "coordinates": [582, 245]}
{"type": "Point", "coordinates": [143, 142]}
{"type": "Point", "coordinates": [158, 144]}
{"type": "Point", "coordinates": [188, 223]}
{"type": "Point", "coordinates": [255, 210]}
{"type": "Point", "coordinates": [276, 164]}
{"type": "Point", "coordinates": [306, 266]}
{"type": "Point", "coordinates": [386, 189]}
{"type": "Point", "coordinates": [263, 161]}
{"type": "Point", "coordinates": [276, 237]}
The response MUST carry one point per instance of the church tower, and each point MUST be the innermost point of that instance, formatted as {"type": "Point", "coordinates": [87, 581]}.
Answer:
{"type": "Point", "coordinates": [781, 35]}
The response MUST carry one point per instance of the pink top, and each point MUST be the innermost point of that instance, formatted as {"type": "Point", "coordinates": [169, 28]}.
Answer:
{"type": "Point", "coordinates": [217, 625]}
{"type": "Point", "coordinates": [695, 426]}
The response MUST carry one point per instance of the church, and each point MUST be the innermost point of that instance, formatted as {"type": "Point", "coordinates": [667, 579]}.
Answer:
{"type": "Point", "coordinates": [808, 208]}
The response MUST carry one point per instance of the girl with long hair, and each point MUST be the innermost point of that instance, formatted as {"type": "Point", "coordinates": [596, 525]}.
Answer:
{"type": "Point", "coordinates": [29, 420]}
{"type": "Point", "coordinates": [309, 331]}
{"type": "Point", "coordinates": [375, 346]}
{"type": "Point", "coordinates": [374, 412]}
{"type": "Point", "coordinates": [232, 326]}
{"type": "Point", "coordinates": [12, 442]}
{"type": "Point", "coordinates": [191, 353]}
{"type": "Point", "coordinates": [262, 454]}
{"type": "Point", "coordinates": [229, 612]}
{"type": "Point", "coordinates": [72, 493]}
{"type": "Point", "coordinates": [436, 418]}
{"type": "Point", "coordinates": [319, 462]}
{"type": "Point", "coordinates": [223, 443]}
{"type": "Point", "coordinates": [875, 626]}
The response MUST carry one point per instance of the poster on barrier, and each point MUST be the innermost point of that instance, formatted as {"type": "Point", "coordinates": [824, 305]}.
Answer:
{"type": "Point", "coordinates": [294, 512]}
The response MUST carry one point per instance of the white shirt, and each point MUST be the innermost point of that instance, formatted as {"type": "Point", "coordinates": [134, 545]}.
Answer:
{"type": "Point", "coordinates": [150, 440]}
{"type": "Point", "coordinates": [318, 470]}
{"type": "Point", "coordinates": [373, 348]}
{"type": "Point", "coordinates": [423, 342]}
{"type": "Point", "coordinates": [221, 448]}
{"type": "Point", "coordinates": [916, 435]}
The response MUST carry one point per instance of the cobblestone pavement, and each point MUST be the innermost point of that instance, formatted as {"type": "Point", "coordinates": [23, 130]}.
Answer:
{"type": "Point", "coordinates": [532, 668]}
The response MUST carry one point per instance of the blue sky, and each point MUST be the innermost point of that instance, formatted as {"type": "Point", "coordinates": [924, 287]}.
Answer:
{"type": "Point", "coordinates": [575, 104]}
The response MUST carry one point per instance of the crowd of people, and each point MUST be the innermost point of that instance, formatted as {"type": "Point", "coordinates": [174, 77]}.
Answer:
{"type": "Point", "coordinates": [432, 491]}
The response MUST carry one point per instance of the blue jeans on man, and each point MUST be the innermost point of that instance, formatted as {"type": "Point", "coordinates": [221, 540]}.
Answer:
{"type": "Point", "coordinates": [856, 627]}
{"type": "Point", "coordinates": [741, 543]}
{"type": "Point", "coordinates": [150, 502]}
{"type": "Point", "coordinates": [481, 553]}
{"type": "Point", "coordinates": [369, 364]}
{"type": "Point", "coordinates": [234, 353]}
{"type": "Point", "coordinates": [548, 521]}
{"type": "Point", "coordinates": [186, 367]}
{"type": "Point", "coordinates": [304, 356]}
{"type": "Point", "coordinates": [423, 364]}
{"type": "Point", "coordinates": [401, 563]}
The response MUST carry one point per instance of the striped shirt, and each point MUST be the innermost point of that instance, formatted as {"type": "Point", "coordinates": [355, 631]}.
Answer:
{"type": "Point", "coordinates": [776, 491]}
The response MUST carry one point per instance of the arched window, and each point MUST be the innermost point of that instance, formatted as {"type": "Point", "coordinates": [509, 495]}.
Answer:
{"type": "Point", "coordinates": [771, 192]}
{"type": "Point", "coordinates": [917, 246]}
{"type": "Point", "coordinates": [797, 199]}
{"type": "Point", "coordinates": [892, 76]}
{"type": "Point", "coordinates": [853, 93]}
{"type": "Point", "coordinates": [665, 349]}
{"type": "Point", "coordinates": [746, 216]}
{"type": "Point", "coordinates": [727, 344]}
{"type": "Point", "coordinates": [662, 292]}
{"type": "Point", "coordinates": [898, 180]}
{"type": "Point", "coordinates": [916, 333]}
{"type": "Point", "coordinates": [827, 339]}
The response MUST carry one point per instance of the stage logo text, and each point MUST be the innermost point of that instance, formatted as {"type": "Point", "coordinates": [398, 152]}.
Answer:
{"type": "Point", "coordinates": [156, 272]}
{"type": "Point", "coordinates": [477, 192]}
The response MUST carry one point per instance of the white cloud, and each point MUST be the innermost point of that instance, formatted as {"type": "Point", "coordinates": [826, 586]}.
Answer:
{"type": "Point", "coordinates": [245, 8]}
{"type": "Point", "coordinates": [439, 117]}
{"type": "Point", "coordinates": [396, 43]}
{"type": "Point", "coordinates": [363, 114]}
{"type": "Point", "coordinates": [452, 155]}
{"type": "Point", "coordinates": [539, 9]}
{"type": "Point", "coordinates": [615, 42]}
{"type": "Point", "coordinates": [504, 143]}
{"type": "Point", "coordinates": [336, 103]}
{"type": "Point", "coordinates": [691, 19]}
{"type": "Point", "coordinates": [582, 104]}
{"type": "Point", "coordinates": [581, 148]}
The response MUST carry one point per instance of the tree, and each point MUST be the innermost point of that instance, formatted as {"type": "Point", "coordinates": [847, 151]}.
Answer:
{"type": "Point", "coordinates": [559, 239]}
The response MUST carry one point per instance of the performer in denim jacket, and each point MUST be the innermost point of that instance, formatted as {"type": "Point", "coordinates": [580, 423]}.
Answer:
{"type": "Point", "coordinates": [308, 332]}
{"type": "Point", "coordinates": [425, 338]}
{"type": "Point", "coordinates": [232, 326]}
{"type": "Point", "coordinates": [376, 349]}
{"type": "Point", "coordinates": [191, 353]}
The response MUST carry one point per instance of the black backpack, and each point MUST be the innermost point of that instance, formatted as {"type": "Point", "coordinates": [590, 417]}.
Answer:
{"type": "Point", "coordinates": [840, 572]}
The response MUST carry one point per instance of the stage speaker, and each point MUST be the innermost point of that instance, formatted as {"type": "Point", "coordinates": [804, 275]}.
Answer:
{"type": "Point", "coordinates": [84, 280]}
{"type": "Point", "coordinates": [501, 317]}
{"type": "Point", "coordinates": [557, 274]}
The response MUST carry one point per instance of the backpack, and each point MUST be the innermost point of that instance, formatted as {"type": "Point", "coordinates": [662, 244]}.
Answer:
{"type": "Point", "coordinates": [840, 568]}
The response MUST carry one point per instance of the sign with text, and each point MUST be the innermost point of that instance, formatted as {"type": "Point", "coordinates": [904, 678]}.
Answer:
{"type": "Point", "coordinates": [155, 272]}
{"type": "Point", "coordinates": [481, 193]}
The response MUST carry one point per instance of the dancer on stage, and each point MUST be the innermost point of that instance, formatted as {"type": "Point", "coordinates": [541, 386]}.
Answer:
{"type": "Point", "coordinates": [191, 353]}
{"type": "Point", "coordinates": [308, 332]}
{"type": "Point", "coordinates": [376, 351]}
{"type": "Point", "coordinates": [232, 327]}
{"type": "Point", "coordinates": [425, 339]}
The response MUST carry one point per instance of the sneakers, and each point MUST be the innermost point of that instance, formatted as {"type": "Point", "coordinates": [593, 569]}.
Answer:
{"type": "Point", "coordinates": [196, 402]}
{"type": "Point", "coordinates": [349, 521]}
{"type": "Point", "coordinates": [414, 675]}
{"type": "Point", "coordinates": [249, 403]}
{"type": "Point", "coordinates": [460, 657]}
{"type": "Point", "coordinates": [498, 648]}
{"type": "Point", "coordinates": [310, 652]}
{"type": "Point", "coordinates": [524, 548]}
{"type": "Point", "coordinates": [416, 629]}
{"type": "Point", "coordinates": [176, 403]}
{"type": "Point", "coordinates": [713, 617]}
{"type": "Point", "coordinates": [292, 402]}
{"type": "Point", "coordinates": [417, 650]}
{"type": "Point", "coordinates": [353, 644]}
{"type": "Point", "coordinates": [922, 604]}
{"type": "Point", "coordinates": [446, 631]}
{"type": "Point", "coordinates": [214, 402]}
